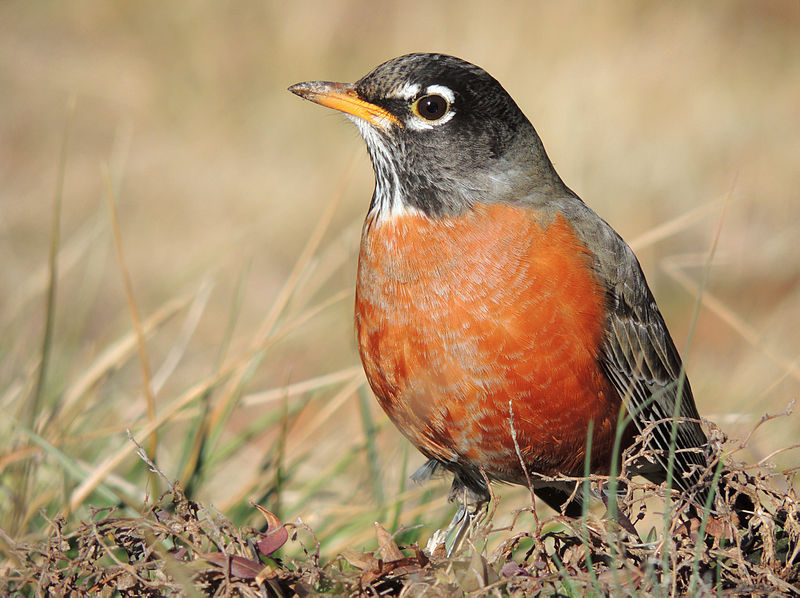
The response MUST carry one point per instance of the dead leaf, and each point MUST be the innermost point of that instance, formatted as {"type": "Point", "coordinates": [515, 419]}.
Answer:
{"type": "Point", "coordinates": [359, 560]}
{"type": "Point", "coordinates": [386, 544]}
{"type": "Point", "coordinates": [378, 570]}
{"type": "Point", "coordinates": [421, 557]}
{"type": "Point", "coordinates": [267, 572]}
{"type": "Point", "coordinates": [719, 528]}
{"type": "Point", "coordinates": [276, 535]}
{"type": "Point", "coordinates": [239, 566]}
{"type": "Point", "coordinates": [512, 569]}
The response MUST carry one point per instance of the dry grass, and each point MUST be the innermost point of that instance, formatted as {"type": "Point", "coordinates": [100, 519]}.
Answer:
{"type": "Point", "coordinates": [239, 210]}
{"type": "Point", "coordinates": [179, 546]}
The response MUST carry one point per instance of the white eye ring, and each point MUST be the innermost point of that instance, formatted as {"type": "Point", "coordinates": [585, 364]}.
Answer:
{"type": "Point", "coordinates": [421, 121]}
{"type": "Point", "coordinates": [441, 90]}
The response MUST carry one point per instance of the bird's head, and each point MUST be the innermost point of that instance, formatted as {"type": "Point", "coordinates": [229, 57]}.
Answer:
{"type": "Point", "coordinates": [442, 134]}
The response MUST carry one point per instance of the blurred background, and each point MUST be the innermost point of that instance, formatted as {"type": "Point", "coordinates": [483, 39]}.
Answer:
{"type": "Point", "coordinates": [240, 209]}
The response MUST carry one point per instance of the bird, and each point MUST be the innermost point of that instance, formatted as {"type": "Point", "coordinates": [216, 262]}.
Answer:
{"type": "Point", "coordinates": [505, 328]}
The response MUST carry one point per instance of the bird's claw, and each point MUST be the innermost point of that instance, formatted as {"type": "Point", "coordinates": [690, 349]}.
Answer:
{"type": "Point", "coordinates": [462, 525]}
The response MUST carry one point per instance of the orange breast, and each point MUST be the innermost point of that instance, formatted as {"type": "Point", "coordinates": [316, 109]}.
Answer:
{"type": "Point", "coordinates": [473, 325]}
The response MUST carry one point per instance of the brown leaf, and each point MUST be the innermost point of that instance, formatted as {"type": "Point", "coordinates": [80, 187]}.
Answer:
{"type": "Point", "coordinates": [276, 534]}
{"type": "Point", "coordinates": [386, 544]}
{"type": "Point", "coordinates": [378, 569]}
{"type": "Point", "coordinates": [272, 541]}
{"type": "Point", "coordinates": [719, 528]}
{"type": "Point", "coordinates": [239, 566]}
{"type": "Point", "coordinates": [512, 569]}
{"type": "Point", "coordinates": [359, 560]}
{"type": "Point", "coordinates": [422, 558]}
{"type": "Point", "coordinates": [440, 551]}
{"type": "Point", "coordinates": [374, 570]}
{"type": "Point", "coordinates": [272, 520]}
{"type": "Point", "coordinates": [267, 572]}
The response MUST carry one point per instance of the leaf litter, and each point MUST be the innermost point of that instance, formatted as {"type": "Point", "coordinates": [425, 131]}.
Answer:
{"type": "Point", "coordinates": [179, 546]}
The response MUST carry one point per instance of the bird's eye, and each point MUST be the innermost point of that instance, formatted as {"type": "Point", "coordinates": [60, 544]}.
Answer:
{"type": "Point", "coordinates": [431, 107]}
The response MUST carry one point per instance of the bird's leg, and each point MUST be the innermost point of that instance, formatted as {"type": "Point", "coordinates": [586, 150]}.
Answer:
{"type": "Point", "coordinates": [473, 497]}
{"type": "Point", "coordinates": [464, 522]}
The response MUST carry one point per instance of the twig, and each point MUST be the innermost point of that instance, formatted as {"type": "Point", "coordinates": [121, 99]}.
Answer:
{"type": "Point", "coordinates": [764, 419]}
{"type": "Point", "coordinates": [522, 461]}
{"type": "Point", "coordinates": [153, 467]}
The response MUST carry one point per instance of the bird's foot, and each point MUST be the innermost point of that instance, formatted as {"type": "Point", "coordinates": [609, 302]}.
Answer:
{"type": "Point", "coordinates": [463, 525]}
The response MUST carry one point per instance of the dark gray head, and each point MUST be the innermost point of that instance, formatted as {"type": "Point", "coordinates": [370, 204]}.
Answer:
{"type": "Point", "coordinates": [442, 133]}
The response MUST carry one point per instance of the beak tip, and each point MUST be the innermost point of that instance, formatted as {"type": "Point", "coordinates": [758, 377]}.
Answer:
{"type": "Point", "coordinates": [298, 89]}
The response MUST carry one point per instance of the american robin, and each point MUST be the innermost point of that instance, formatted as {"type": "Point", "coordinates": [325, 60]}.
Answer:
{"type": "Point", "coordinates": [498, 316]}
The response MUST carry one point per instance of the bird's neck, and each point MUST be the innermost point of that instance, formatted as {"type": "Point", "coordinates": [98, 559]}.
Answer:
{"type": "Point", "coordinates": [410, 181]}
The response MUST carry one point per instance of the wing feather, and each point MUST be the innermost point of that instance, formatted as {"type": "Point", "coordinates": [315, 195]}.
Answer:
{"type": "Point", "coordinates": [640, 358]}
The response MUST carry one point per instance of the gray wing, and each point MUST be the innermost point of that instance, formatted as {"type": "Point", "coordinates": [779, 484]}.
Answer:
{"type": "Point", "coordinates": [640, 359]}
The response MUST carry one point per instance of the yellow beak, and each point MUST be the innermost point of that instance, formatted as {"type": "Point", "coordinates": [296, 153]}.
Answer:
{"type": "Point", "coordinates": [343, 97]}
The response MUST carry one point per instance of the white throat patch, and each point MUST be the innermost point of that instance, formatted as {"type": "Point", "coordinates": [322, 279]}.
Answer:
{"type": "Point", "coordinates": [389, 202]}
